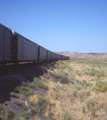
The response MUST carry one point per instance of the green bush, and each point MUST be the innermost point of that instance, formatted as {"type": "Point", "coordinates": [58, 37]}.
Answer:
{"type": "Point", "coordinates": [90, 105]}
{"type": "Point", "coordinates": [24, 114]}
{"type": "Point", "coordinates": [11, 114]}
{"type": "Point", "coordinates": [37, 81]}
{"type": "Point", "coordinates": [85, 83]}
{"type": "Point", "coordinates": [3, 112]}
{"type": "Point", "coordinates": [25, 108]}
{"type": "Point", "coordinates": [81, 96]}
{"type": "Point", "coordinates": [66, 116]}
{"type": "Point", "coordinates": [97, 73]}
{"type": "Point", "coordinates": [101, 86]}
{"type": "Point", "coordinates": [83, 109]}
{"type": "Point", "coordinates": [18, 117]}
{"type": "Point", "coordinates": [42, 102]}
{"type": "Point", "coordinates": [30, 114]}
{"type": "Point", "coordinates": [27, 91]}
{"type": "Point", "coordinates": [88, 93]}
{"type": "Point", "coordinates": [30, 85]}
{"type": "Point", "coordinates": [18, 103]}
{"type": "Point", "coordinates": [35, 110]}
{"type": "Point", "coordinates": [100, 74]}
{"type": "Point", "coordinates": [92, 72]}
{"type": "Point", "coordinates": [47, 118]}
{"type": "Point", "coordinates": [33, 104]}
{"type": "Point", "coordinates": [13, 94]}
{"type": "Point", "coordinates": [75, 93]}
{"type": "Point", "coordinates": [93, 112]}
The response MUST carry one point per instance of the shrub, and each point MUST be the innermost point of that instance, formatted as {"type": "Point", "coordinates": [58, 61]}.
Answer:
{"type": "Point", "coordinates": [37, 81]}
{"type": "Point", "coordinates": [81, 95]}
{"type": "Point", "coordinates": [52, 69]}
{"type": "Point", "coordinates": [47, 118]}
{"type": "Point", "coordinates": [30, 114]}
{"type": "Point", "coordinates": [105, 108]}
{"type": "Point", "coordinates": [83, 109]}
{"type": "Point", "coordinates": [85, 83]}
{"type": "Point", "coordinates": [43, 102]}
{"type": "Point", "coordinates": [36, 109]}
{"type": "Point", "coordinates": [101, 86]}
{"type": "Point", "coordinates": [90, 104]}
{"type": "Point", "coordinates": [92, 72]}
{"type": "Point", "coordinates": [18, 117]}
{"type": "Point", "coordinates": [13, 94]}
{"type": "Point", "coordinates": [100, 74]}
{"type": "Point", "coordinates": [75, 93]}
{"type": "Point", "coordinates": [33, 104]}
{"type": "Point", "coordinates": [25, 108]}
{"type": "Point", "coordinates": [97, 73]}
{"type": "Point", "coordinates": [24, 90]}
{"type": "Point", "coordinates": [18, 103]}
{"type": "Point", "coordinates": [88, 93]}
{"type": "Point", "coordinates": [3, 112]}
{"type": "Point", "coordinates": [66, 116]}
{"type": "Point", "coordinates": [30, 85]}
{"type": "Point", "coordinates": [11, 114]}
{"type": "Point", "coordinates": [24, 115]}
{"type": "Point", "coordinates": [93, 112]}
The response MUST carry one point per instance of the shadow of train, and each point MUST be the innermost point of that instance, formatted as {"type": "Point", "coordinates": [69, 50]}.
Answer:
{"type": "Point", "coordinates": [12, 77]}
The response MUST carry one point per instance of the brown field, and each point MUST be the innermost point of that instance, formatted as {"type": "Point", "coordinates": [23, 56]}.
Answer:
{"type": "Point", "coordinates": [77, 90]}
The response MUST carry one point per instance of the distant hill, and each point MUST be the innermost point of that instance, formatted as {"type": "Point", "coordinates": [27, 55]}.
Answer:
{"type": "Point", "coordinates": [75, 55]}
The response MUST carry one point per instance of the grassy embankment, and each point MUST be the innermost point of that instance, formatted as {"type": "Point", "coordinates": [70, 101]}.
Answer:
{"type": "Point", "coordinates": [76, 90]}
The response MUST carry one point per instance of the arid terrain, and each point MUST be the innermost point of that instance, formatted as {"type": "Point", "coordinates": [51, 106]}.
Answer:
{"type": "Point", "coordinates": [75, 55]}
{"type": "Point", "coordinates": [63, 90]}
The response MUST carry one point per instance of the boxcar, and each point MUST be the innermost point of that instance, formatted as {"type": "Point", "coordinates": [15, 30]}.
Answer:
{"type": "Point", "coordinates": [24, 49]}
{"type": "Point", "coordinates": [58, 56]}
{"type": "Point", "coordinates": [49, 55]}
{"type": "Point", "coordinates": [42, 53]}
{"type": "Point", "coordinates": [16, 48]}
{"type": "Point", "coordinates": [5, 44]}
{"type": "Point", "coordinates": [53, 56]}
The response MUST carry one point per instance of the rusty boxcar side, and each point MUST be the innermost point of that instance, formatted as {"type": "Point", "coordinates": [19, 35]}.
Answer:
{"type": "Point", "coordinates": [25, 50]}
{"type": "Point", "coordinates": [5, 44]}
{"type": "Point", "coordinates": [49, 55]}
{"type": "Point", "coordinates": [42, 53]}
{"type": "Point", "coordinates": [16, 48]}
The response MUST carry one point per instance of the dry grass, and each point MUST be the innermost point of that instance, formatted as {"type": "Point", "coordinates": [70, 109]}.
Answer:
{"type": "Point", "coordinates": [76, 99]}
{"type": "Point", "coordinates": [36, 118]}
{"type": "Point", "coordinates": [71, 90]}
{"type": "Point", "coordinates": [34, 98]}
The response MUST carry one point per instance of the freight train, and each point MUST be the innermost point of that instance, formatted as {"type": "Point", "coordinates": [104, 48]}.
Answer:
{"type": "Point", "coordinates": [15, 48]}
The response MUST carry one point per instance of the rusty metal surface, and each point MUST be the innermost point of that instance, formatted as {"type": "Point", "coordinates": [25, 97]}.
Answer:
{"type": "Point", "coordinates": [49, 55]}
{"type": "Point", "coordinates": [52, 55]}
{"type": "Point", "coordinates": [26, 49]}
{"type": "Point", "coordinates": [42, 53]}
{"type": "Point", "coordinates": [16, 48]}
{"type": "Point", "coordinates": [5, 44]}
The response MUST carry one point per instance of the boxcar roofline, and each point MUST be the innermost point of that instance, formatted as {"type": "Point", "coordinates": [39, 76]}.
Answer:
{"type": "Point", "coordinates": [15, 33]}
{"type": "Point", "coordinates": [1, 25]}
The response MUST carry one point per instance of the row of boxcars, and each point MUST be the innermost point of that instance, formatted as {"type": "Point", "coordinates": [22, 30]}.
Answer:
{"type": "Point", "coordinates": [15, 48]}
